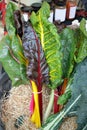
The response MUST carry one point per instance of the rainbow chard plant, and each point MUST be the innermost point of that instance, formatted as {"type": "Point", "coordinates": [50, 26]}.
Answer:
{"type": "Point", "coordinates": [49, 38]}
{"type": "Point", "coordinates": [37, 70]}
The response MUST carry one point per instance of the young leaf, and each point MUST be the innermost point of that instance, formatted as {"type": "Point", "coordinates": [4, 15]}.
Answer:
{"type": "Point", "coordinates": [49, 38]}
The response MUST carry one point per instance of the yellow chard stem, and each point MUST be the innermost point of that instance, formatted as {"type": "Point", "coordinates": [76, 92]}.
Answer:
{"type": "Point", "coordinates": [35, 118]}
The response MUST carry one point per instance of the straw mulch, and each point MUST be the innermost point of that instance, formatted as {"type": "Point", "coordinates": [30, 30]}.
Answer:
{"type": "Point", "coordinates": [16, 105]}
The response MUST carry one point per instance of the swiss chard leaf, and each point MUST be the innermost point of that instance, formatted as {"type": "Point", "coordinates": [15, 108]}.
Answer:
{"type": "Point", "coordinates": [11, 51]}
{"type": "Point", "coordinates": [83, 26]}
{"type": "Point", "coordinates": [49, 38]}
{"type": "Point", "coordinates": [77, 105]}
{"type": "Point", "coordinates": [10, 18]}
{"type": "Point", "coordinates": [16, 43]}
{"type": "Point", "coordinates": [68, 41]}
{"type": "Point", "coordinates": [81, 51]}
{"type": "Point", "coordinates": [37, 68]}
{"type": "Point", "coordinates": [15, 70]}
{"type": "Point", "coordinates": [17, 48]}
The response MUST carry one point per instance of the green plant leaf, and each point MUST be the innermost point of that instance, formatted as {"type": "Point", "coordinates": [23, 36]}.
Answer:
{"type": "Point", "coordinates": [64, 98]}
{"type": "Point", "coordinates": [11, 51]}
{"type": "Point", "coordinates": [17, 48]}
{"type": "Point", "coordinates": [68, 41]}
{"type": "Point", "coordinates": [83, 26]}
{"type": "Point", "coordinates": [11, 7]}
{"type": "Point", "coordinates": [16, 43]}
{"type": "Point", "coordinates": [81, 51]}
{"type": "Point", "coordinates": [49, 38]}
{"type": "Point", "coordinates": [15, 70]}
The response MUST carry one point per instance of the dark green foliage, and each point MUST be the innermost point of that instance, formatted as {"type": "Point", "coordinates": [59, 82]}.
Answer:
{"type": "Point", "coordinates": [81, 46]}
{"type": "Point", "coordinates": [79, 87]}
{"type": "Point", "coordinates": [68, 41]}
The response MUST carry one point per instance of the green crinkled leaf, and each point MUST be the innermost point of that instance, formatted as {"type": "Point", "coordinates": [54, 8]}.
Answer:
{"type": "Point", "coordinates": [77, 105]}
{"type": "Point", "coordinates": [68, 41]}
{"type": "Point", "coordinates": [11, 7]}
{"type": "Point", "coordinates": [49, 38]}
{"type": "Point", "coordinates": [15, 70]}
{"type": "Point", "coordinates": [81, 51]}
{"type": "Point", "coordinates": [83, 26]}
